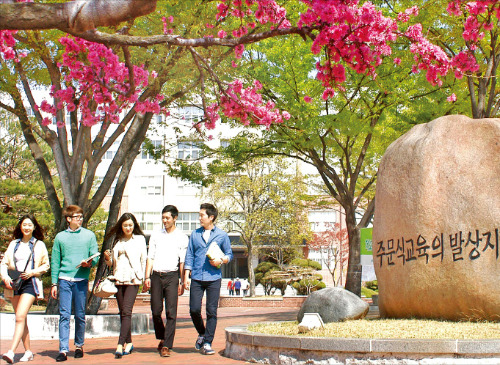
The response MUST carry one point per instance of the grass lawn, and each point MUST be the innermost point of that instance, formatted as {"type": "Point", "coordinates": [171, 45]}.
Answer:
{"type": "Point", "coordinates": [34, 308]}
{"type": "Point", "coordinates": [389, 328]}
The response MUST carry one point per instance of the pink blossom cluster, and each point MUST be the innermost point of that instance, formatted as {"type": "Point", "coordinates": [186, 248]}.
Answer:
{"type": "Point", "coordinates": [404, 17]}
{"type": "Point", "coordinates": [428, 56]}
{"type": "Point", "coordinates": [246, 105]}
{"type": "Point", "coordinates": [166, 21]}
{"type": "Point", "coordinates": [267, 11]}
{"type": "Point", "coordinates": [352, 35]}
{"type": "Point", "coordinates": [7, 43]}
{"type": "Point", "coordinates": [94, 75]}
{"type": "Point", "coordinates": [479, 20]}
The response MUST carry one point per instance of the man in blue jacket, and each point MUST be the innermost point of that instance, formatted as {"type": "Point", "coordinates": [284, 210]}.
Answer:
{"type": "Point", "coordinates": [205, 275]}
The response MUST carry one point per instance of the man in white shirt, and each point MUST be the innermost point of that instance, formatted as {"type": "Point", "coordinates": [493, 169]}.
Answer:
{"type": "Point", "coordinates": [167, 250]}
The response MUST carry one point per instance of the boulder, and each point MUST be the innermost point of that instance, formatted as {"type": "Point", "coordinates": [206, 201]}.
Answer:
{"type": "Point", "coordinates": [436, 228]}
{"type": "Point", "coordinates": [334, 305]}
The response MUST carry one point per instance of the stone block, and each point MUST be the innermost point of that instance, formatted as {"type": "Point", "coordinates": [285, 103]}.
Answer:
{"type": "Point", "coordinates": [332, 344]}
{"type": "Point", "coordinates": [414, 346]}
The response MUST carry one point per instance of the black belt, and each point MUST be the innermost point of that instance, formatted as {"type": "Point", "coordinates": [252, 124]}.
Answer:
{"type": "Point", "coordinates": [161, 273]}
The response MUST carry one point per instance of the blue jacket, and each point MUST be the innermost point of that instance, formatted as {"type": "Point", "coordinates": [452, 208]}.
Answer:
{"type": "Point", "coordinates": [196, 255]}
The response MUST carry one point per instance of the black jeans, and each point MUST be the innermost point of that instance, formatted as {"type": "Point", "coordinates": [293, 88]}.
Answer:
{"type": "Point", "coordinates": [126, 298]}
{"type": "Point", "coordinates": [164, 286]}
{"type": "Point", "coordinates": [197, 290]}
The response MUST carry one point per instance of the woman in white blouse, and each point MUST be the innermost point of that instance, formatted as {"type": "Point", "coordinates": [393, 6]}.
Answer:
{"type": "Point", "coordinates": [128, 260]}
{"type": "Point", "coordinates": [26, 251]}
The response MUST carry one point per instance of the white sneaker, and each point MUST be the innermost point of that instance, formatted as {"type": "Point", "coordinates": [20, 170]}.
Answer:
{"type": "Point", "coordinates": [28, 356]}
{"type": "Point", "coordinates": [8, 356]}
{"type": "Point", "coordinates": [207, 349]}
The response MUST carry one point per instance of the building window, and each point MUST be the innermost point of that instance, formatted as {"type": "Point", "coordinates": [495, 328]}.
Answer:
{"type": "Point", "coordinates": [148, 221]}
{"type": "Point", "coordinates": [145, 155]}
{"type": "Point", "coordinates": [188, 222]}
{"type": "Point", "coordinates": [188, 150]}
{"type": "Point", "coordinates": [151, 190]}
{"type": "Point", "coordinates": [191, 114]}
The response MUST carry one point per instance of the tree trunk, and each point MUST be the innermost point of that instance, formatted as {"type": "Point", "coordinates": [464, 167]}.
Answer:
{"type": "Point", "coordinates": [93, 302]}
{"type": "Point", "coordinates": [353, 278]}
{"type": "Point", "coordinates": [251, 274]}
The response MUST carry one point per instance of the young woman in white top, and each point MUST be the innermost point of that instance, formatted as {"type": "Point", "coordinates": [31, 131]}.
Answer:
{"type": "Point", "coordinates": [128, 260]}
{"type": "Point", "coordinates": [27, 250]}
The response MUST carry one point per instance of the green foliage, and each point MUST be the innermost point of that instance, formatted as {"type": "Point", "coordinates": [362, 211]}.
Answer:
{"type": "Point", "coordinates": [262, 201]}
{"type": "Point", "coordinates": [306, 263]}
{"type": "Point", "coordinates": [367, 293]}
{"type": "Point", "coordinates": [308, 285]}
{"type": "Point", "coordinates": [372, 285]}
{"type": "Point", "coordinates": [264, 276]}
{"type": "Point", "coordinates": [21, 188]}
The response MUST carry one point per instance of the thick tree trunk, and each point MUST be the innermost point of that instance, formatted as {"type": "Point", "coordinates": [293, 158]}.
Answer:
{"type": "Point", "coordinates": [353, 279]}
{"type": "Point", "coordinates": [251, 274]}
{"type": "Point", "coordinates": [93, 302]}
{"type": "Point", "coordinates": [75, 16]}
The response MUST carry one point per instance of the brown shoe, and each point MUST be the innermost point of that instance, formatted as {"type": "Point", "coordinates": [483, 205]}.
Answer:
{"type": "Point", "coordinates": [165, 352]}
{"type": "Point", "coordinates": [160, 346]}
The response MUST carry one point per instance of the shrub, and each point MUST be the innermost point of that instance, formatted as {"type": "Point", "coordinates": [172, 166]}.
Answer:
{"type": "Point", "coordinates": [306, 263]}
{"type": "Point", "coordinates": [372, 285]}
{"type": "Point", "coordinates": [308, 285]}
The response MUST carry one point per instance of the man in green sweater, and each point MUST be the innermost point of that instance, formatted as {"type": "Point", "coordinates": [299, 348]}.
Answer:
{"type": "Point", "coordinates": [70, 276]}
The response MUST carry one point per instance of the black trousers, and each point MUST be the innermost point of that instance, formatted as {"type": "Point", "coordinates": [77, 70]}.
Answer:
{"type": "Point", "coordinates": [164, 286]}
{"type": "Point", "coordinates": [126, 298]}
{"type": "Point", "coordinates": [198, 288]}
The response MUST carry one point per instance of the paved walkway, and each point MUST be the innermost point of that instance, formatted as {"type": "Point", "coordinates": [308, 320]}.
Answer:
{"type": "Point", "coordinates": [101, 350]}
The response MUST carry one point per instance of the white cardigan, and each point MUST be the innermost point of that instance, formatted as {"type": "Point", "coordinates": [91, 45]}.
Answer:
{"type": "Point", "coordinates": [42, 265]}
{"type": "Point", "coordinates": [136, 251]}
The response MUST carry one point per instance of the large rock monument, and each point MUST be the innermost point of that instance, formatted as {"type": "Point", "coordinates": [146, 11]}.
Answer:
{"type": "Point", "coordinates": [436, 230]}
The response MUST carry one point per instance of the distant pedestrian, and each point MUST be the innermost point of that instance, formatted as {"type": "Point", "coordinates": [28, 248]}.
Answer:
{"type": "Point", "coordinates": [237, 286]}
{"type": "Point", "coordinates": [245, 286]}
{"type": "Point", "coordinates": [230, 286]}
{"type": "Point", "coordinates": [205, 275]}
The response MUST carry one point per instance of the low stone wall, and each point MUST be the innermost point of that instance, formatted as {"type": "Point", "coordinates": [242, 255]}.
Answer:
{"type": "Point", "coordinates": [273, 302]}
{"type": "Point", "coordinates": [226, 301]}
{"type": "Point", "coordinates": [274, 349]}
{"type": "Point", "coordinates": [46, 327]}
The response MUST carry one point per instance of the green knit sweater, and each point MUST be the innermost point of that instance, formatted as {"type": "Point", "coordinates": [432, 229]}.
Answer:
{"type": "Point", "coordinates": [68, 251]}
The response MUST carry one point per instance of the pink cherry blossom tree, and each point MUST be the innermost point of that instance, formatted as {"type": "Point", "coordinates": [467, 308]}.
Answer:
{"type": "Point", "coordinates": [94, 75]}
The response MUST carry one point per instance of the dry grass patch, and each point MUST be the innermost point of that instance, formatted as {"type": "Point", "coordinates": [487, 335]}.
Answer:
{"type": "Point", "coordinates": [34, 308]}
{"type": "Point", "coordinates": [389, 328]}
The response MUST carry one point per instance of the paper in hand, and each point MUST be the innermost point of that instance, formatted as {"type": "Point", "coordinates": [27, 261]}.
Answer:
{"type": "Point", "coordinates": [214, 252]}
{"type": "Point", "coordinates": [89, 259]}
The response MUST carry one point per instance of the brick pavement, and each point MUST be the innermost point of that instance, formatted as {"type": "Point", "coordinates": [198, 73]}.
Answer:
{"type": "Point", "coordinates": [101, 350]}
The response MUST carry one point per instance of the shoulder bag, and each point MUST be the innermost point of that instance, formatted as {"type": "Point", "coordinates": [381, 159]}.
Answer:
{"type": "Point", "coordinates": [15, 275]}
{"type": "Point", "coordinates": [105, 287]}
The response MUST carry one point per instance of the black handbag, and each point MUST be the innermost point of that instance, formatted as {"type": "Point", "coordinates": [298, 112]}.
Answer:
{"type": "Point", "coordinates": [17, 281]}
{"type": "Point", "coordinates": [15, 275]}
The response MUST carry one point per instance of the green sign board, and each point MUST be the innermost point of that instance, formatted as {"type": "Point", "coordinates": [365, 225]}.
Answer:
{"type": "Point", "coordinates": [366, 241]}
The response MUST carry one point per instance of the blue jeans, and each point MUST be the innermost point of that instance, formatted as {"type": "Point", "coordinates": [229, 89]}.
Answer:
{"type": "Point", "coordinates": [212, 289]}
{"type": "Point", "coordinates": [72, 292]}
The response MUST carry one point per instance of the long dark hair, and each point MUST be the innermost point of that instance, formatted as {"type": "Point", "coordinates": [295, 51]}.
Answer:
{"type": "Point", "coordinates": [37, 231]}
{"type": "Point", "coordinates": [117, 230]}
